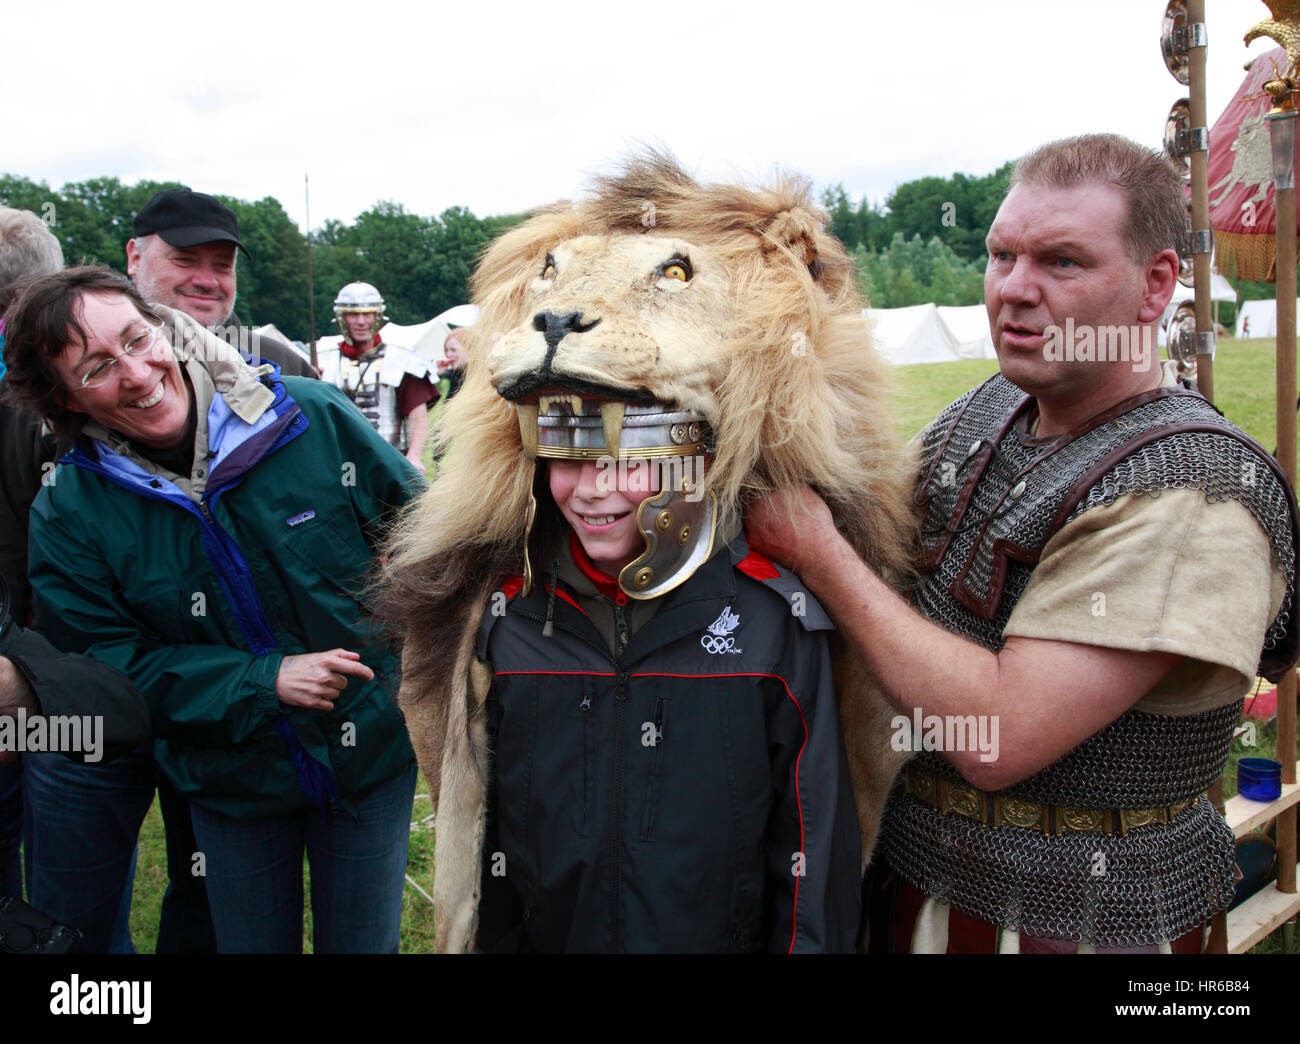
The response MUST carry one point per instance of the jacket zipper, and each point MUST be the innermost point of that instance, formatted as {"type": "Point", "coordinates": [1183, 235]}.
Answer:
{"type": "Point", "coordinates": [621, 635]}
{"type": "Point", "coordinates": [245, 602]}
{"type": "Point", "coordinates": [616, 860]}
{"type": "Point", "coordinates": [232, 567]}
{"type": "Point", "coordinates": [588, 770]}
{"type": "Point", "coordinates": [651, 819]}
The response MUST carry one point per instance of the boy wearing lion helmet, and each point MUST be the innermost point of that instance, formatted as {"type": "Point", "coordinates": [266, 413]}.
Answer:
{"type": "Point", "coordinates": [627, 721]}
{"type": "Point", "coordinates": [393, 387]}
{"type": "Point", "coordinates": [669, 771]}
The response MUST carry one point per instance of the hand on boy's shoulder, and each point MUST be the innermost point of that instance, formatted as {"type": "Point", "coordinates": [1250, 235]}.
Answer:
{"type": "Point", "coordinates": [803, 605]}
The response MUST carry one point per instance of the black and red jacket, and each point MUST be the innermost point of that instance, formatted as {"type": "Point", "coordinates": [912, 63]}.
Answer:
{"type": "Point", "coordinates": [690, 795]}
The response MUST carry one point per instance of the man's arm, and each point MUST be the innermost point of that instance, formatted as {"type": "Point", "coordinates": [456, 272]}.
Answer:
{"type": "Point", "coordinates": [1048, 696]}
{"type": "Point", "coordinates": [414, 397]}
{"type": "Point", "coordinates": [417, 432]}
{"type": "Point", "coordinates": [38, 679]}
{"type": "Point", "coordinates": [15, 695]}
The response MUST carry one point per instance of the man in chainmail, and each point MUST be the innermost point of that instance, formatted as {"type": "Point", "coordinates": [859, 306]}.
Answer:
{"type": "Point", "coordinates": [1105, 563]}
{"type": "Point", "coordinates": [392, 386]}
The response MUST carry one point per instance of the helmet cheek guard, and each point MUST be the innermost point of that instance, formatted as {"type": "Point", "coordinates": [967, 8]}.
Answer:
{"type": "Point", "coordinates": [679, 523]}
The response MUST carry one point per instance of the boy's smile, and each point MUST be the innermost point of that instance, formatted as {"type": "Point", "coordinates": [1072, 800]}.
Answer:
{"type": "Point", "coordinates": [604, 519]}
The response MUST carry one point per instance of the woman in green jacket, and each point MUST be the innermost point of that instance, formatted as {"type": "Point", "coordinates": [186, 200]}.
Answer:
{"type": "Point", "coordinates": [210, 536]}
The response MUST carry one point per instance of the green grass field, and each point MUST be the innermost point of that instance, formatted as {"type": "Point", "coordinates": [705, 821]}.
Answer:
{"type": "Point", "coordinates": [1243, 382]}
{"type": "Point", "coordinates": [1244, 391]}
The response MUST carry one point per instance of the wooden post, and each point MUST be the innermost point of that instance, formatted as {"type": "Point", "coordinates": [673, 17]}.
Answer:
{"type": "Point", "coordinates": [1199, 164]}
{"type": "Point", "coordinates": [311, 284]}
{"type": "Point", "coordinates": [1286, 457]}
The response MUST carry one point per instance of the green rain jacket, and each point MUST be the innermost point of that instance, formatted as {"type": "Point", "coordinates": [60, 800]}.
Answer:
{"type": "Point", "coordinates": [196, 588]}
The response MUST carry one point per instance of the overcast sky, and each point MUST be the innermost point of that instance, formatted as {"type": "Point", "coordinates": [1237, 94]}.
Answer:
{"type": "Point", "coordinates": [501, 106]}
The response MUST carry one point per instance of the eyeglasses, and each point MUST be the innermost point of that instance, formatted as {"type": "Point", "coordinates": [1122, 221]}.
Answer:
{"type": "Point", "coordinates": [101, 373]}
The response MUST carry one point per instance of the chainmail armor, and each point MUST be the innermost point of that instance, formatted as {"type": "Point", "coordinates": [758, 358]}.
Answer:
{"type": "Point", "coordinates": [360, 380]}
{"type": "Point", "coordinates": [1149, 887]}
{"type": "Point", "coordinates": [1160, 880]}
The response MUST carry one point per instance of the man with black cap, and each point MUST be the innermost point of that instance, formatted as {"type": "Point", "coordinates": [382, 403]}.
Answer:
{"type": "Point", "coordinates": [183, 256]}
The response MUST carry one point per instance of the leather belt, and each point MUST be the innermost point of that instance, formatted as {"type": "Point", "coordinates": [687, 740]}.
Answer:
{"type": "Point", "coordinates": [998, 810]}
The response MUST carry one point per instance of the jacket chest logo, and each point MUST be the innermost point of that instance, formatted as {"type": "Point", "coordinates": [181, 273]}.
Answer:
{"type": "Point", "coordinates": [718, 638]}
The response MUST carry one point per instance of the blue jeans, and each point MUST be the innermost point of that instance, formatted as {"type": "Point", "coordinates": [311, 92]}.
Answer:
{"type": "Point", "coordinates": [358, 868]}
{"type": "Point", "coordinates": [80, 826]}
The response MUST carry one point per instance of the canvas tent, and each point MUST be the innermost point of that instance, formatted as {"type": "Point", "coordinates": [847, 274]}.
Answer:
{"type": "Point", "coordinates": [969, 326]}
{"type": "Point", "coordinates": [270, 330]}
{"type": "Point", "coordinates": [912, 335]}
{"type": "Point", "coordinates": [1220, 290]}
{"type": "Point", "coordinates": [1259, 316]}
{"type": "Point", "coordinates": [435, 331]}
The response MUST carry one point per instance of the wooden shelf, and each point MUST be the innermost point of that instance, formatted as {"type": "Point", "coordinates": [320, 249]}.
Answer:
{"type": "Point", "coordinates": [1260, 915]}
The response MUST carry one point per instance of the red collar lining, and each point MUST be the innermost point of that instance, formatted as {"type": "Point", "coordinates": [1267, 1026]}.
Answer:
{"type": "Point", "coordinates": [605, 584]}
{"type": "Point", "coordinates": [353, 352]}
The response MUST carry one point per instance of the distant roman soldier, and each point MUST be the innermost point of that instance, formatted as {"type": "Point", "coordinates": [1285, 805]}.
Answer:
{"type": "Point", "coordinates": [392, 386]}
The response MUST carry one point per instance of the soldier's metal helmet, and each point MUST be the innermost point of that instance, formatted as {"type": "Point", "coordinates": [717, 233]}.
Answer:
{"type": "Point", "coordinates": [679, 523]}
{"type": "Point", "coordinates": [354, 298]}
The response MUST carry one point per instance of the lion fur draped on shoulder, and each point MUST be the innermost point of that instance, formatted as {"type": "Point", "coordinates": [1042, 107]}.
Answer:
{"type": "Point", "coordinates": [791, 387]}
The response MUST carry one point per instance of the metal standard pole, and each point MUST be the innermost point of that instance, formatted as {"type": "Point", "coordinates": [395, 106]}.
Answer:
{"type": "Point", "coordinates": [1281, 132]}
{"type": "Point", "coordinates": [311, 286]}
{"type": "Point", "coordinates": [1202, 237]}
{"type": "Point", "coordinates": [1202, 244]}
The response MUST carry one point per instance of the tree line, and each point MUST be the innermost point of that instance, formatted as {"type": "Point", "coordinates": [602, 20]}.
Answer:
{"type": "Point", "coordinates": [925, 243]}
{"type": "Point", "coordinates": [420, 264]}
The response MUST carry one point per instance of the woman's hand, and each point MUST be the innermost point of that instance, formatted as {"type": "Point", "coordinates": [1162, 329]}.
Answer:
{"type": "Point", "coordinates": [314, 680]}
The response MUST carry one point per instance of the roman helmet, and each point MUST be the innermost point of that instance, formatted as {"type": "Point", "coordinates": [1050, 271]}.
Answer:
{"type": "Point", "coordinates": [679, 523]}
{"type": "Point", "coordinates": [358, 297]}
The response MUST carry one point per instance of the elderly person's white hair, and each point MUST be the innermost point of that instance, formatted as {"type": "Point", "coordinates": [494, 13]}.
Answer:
{"type": "Point", "coordinates": [27, 248]}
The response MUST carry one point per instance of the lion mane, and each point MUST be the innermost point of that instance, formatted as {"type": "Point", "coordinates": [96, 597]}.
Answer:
{"type": "Point", "coordinates": [778, 358]}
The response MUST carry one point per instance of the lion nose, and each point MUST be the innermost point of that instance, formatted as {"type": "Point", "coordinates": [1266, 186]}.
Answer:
{"type": "Point", "coordinates": [556, 327]}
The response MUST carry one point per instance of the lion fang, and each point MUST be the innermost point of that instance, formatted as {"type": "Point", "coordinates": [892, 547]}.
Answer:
{"type": "Point", "coordinates": [528, 428]}
{"type": "Point", "coordinates": [545, 402]}
{"type": "Point", "coordinates": [611, 419]}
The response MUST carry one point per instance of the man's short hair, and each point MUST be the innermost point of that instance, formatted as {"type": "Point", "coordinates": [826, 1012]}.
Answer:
{"type": "Point", "coordinates": [27, 248]}
{"type": "Point", "coordinates": [1155, 191]}
{"type": "Point", "coordinates": [44, 320]}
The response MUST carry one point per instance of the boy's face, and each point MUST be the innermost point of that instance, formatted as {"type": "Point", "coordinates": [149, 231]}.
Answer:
{"type": "Point", "coordinates": [604, 517]}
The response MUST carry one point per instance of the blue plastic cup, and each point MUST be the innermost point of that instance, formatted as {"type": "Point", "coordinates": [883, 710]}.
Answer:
{"type": "Point", "coordinates": [1259, 779]}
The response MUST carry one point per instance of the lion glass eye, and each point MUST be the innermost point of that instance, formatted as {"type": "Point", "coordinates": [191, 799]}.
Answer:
{"type": "Point", "coordinates": [548, 269]}
{"type": "Point", "coordinates": [678, 268]}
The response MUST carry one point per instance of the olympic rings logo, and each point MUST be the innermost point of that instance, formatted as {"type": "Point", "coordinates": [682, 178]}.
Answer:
{"type": "Point", "coordinates": [714, 644]}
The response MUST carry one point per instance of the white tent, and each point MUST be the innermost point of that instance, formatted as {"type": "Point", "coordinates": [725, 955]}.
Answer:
{"type": "Point", "coordinates": [969, 326]}
{"type": "Point", "coordinates": [912, 335]}
{"type": "Point", "coordinates": [1220, 290]}
{"type": "Point", "coordinates": [1261, 317]}
{"type": "Point", "coordinates": [270, 330]}
{"type": "Point", "coordinates": [435, 331]}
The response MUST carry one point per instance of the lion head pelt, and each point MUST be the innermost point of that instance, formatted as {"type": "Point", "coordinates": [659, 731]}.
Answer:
{"type": "Point", "coordinates": [764, 336]}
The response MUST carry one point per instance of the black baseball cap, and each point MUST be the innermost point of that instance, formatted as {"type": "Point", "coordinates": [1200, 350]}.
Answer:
{"type": "Point", "coordinates": [184, 219]}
